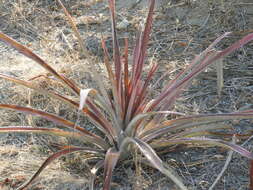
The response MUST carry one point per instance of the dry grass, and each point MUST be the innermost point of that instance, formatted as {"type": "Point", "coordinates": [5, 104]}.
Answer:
{"type": "Point", "coordinates": [181, 30]}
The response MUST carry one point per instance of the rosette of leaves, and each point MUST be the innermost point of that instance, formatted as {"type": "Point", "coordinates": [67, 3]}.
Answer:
{"type": "Point", "coordinates": [132, 119]}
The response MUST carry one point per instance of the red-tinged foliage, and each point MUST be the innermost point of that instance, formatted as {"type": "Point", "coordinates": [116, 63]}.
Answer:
{"type": "Point", "coordinates": [51, 158]}
{"type": "Point", "coordinates": [111, 159]}
{"type": "Point", "coordinates": [132, 118]}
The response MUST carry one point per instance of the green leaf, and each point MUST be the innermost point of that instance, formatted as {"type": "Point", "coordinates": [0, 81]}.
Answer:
{"type": "Point", "coordinates": [153, 158]}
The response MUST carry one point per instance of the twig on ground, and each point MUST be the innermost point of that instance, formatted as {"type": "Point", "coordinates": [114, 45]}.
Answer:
{"type": "Point", "coordinates": [229, 158]}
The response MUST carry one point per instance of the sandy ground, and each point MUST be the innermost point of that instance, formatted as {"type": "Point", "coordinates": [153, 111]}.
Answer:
{"type": "Point", "coordinates": [182, 29]}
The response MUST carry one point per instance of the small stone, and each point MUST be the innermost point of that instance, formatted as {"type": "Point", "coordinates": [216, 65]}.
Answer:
{"type": "Point", "coordinates": [123, 24]}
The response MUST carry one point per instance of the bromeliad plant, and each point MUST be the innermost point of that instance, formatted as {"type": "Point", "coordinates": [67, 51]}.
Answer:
{"type": "Point", "coordinates": [132, 118]}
